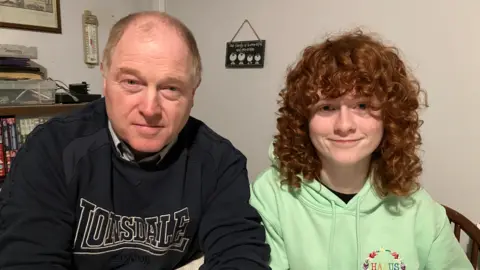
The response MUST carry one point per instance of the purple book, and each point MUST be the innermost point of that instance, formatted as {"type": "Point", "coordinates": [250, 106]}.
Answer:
{"type": "Point", "coordinates": [12, 61]}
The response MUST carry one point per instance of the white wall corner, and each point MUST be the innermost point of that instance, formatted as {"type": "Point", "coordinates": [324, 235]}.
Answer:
{"type": "Point", "coordinates": [158, 5]}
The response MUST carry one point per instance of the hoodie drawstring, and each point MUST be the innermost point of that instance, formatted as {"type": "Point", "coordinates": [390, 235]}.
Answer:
{"type": "Point", "coordinates": [357, 228]}
{"type": "Point", "coordinates": [332, 233]}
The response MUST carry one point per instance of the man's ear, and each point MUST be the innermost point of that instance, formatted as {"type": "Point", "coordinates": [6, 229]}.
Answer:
{"type": "Point", "coordinates": [103, 70]}
{"type": "Point", "coordinates": [193, 96]}
{"type": "Point", "coordinates": [196, 86]}
{"type": "Point", "coordinates": [194, 91]}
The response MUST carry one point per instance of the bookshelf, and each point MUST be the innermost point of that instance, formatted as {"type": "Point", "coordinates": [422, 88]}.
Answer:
{"type": "Point", "coordinates": [38, 110]}
{"type": "Point", "coordinates": [11, 130]}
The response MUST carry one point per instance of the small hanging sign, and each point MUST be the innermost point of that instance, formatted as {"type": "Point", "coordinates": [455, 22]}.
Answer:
{"type": "Point", "coordinates": [245, 54]}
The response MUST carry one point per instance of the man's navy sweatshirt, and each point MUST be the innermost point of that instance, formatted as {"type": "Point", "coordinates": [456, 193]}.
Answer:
{"type": "Point", "coordinates": [71, 202]}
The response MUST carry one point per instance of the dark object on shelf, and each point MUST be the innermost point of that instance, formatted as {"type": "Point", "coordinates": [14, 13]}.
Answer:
{"type": "Point", "coordinates": [78, 94]}
{"type": "Point", "coordinates": [65, 98]}
{"type": "Point", "coordinates": [78, 88]}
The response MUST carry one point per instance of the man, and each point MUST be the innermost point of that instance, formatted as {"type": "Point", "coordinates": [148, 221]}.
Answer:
{"type": "Point", "coordinates": [132, 181]}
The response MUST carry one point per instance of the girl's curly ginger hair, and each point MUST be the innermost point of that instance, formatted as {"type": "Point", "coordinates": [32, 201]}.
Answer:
{"type": "Point", "coordinates": [351, 62]}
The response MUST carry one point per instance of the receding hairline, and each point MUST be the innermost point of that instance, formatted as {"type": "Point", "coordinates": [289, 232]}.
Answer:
{"type": "Point", "coordinates": [148, 21]}
{"type": "Point", "coordinates": [148, 18]}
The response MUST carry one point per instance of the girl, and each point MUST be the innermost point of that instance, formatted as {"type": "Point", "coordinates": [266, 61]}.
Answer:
{"type": "Point", "coordinates": [343, 190]}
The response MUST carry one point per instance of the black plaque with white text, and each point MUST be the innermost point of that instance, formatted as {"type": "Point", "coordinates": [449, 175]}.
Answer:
{"type": "Point", "coordinates": [245, 54]}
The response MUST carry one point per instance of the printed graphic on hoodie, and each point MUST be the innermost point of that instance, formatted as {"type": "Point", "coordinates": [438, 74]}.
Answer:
{"type": "Point", "coordinates": [383, 259]}
{"type": "Point", "coordinates": [103, 231]}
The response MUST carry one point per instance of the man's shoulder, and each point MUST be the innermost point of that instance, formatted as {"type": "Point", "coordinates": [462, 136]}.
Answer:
{"type": "Point", "coordinates": [62, 129]}
{"type": "Point", "coordinates": [91, 115]}
{"type": "Point", "coordinates": [203, 139]}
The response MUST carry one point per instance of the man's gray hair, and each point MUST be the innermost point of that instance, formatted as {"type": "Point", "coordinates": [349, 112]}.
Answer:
{"type": "Point", "coordinates": [119, 28]}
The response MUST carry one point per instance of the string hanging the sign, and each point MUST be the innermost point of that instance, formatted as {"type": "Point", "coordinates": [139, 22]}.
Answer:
{"type": "Point", "coordinates": [240, 28]}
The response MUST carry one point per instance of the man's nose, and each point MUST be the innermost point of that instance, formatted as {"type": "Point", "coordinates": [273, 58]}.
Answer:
{"type": "Point", "coordinates": [151, 103]}
{"type": "Point", "coordinates": [345, 122]}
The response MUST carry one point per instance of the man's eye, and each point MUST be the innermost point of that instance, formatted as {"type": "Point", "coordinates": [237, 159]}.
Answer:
{"type": "Point", "coordinates": [131, 85]}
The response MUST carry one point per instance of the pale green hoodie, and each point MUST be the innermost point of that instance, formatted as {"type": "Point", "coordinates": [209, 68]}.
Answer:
{"type": "Point", "coordinates": [314, 229]}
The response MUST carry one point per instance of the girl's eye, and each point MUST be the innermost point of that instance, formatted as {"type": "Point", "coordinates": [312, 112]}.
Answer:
{"type": "Point", "coordinates": [327, 108]}
{"type": "Point", "coordinates": [362, 106]}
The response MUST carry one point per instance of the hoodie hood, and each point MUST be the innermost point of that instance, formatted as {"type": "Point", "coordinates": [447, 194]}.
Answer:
{"type": "Point", "coordinates": [319, 197]}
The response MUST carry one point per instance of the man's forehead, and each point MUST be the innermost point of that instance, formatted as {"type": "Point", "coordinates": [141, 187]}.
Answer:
{"type": "Point", "coordinates": [164, 44]}
{"type": "Point", "coordinates": [150, 26]}
{"type": "Point", "coordinates": [153, 43]}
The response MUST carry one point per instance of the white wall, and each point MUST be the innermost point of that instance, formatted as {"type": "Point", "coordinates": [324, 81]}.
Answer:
{"type": "Point", "coordinates": [62, 54]}
{"type": "Point", "coordinates": [439, 38]}
{"type": "Point", "coordinates": [158, 5]}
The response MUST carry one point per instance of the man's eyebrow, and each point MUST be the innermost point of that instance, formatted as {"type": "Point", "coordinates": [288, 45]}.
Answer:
{"type": "Point", "coordinates": [173, 79]}
{"type": "Point", "coordinates": [128, 70]}
{"type": "Point", "coordinates": [169, 79]}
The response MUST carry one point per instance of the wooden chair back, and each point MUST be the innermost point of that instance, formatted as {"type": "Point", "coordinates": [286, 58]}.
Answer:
{"type": "Point", "coordinates": [462, 223]}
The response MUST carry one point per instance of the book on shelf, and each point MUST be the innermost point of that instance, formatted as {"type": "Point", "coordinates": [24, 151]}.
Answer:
{"type": "Point", "coordinates": [12, 68]}
{"type": "Point", "coordinates": [13, 134]}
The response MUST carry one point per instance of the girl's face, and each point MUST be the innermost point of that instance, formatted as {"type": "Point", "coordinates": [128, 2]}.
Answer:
{"type": "Point", "coordinates": [345, 131]}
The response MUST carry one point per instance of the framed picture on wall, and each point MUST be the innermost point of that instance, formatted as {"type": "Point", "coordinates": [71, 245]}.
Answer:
{"type": "Point", "coordinates": [32, 15]}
